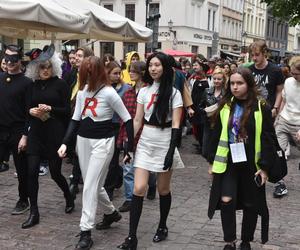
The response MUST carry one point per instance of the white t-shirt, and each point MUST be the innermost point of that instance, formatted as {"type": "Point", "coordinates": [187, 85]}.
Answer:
{"type": "Point", "coordinates": [148, 96]}
{"type": "Point", "coordinates": [290, 94]}
{"type": "Point", "coordinates": [101, 107]}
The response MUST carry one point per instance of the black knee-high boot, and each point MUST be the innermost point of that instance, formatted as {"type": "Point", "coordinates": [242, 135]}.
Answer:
{"type": "Point", "coordinates": [130, 242]}
{"type": "Point", "coordinates": [135, 214]}
{"type": "Point", "coordinates": [164, 207]}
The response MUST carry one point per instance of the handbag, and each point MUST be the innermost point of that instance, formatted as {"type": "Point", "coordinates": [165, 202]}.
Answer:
{"type": "Point", "coordinates": [278, 169]}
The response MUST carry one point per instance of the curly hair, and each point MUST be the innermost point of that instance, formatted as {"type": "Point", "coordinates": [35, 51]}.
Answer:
{"type": "Point", "coordinates": [32, 69]}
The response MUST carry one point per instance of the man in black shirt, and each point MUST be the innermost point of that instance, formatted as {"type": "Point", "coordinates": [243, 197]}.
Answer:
{"type": "Point", "coordinates": [268, 76]}
{"type": "Point", "coordinates": [14, 87]}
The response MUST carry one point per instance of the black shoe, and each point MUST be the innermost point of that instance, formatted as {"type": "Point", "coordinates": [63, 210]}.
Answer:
{"type": "Point", "coordinates": [151, 193]}
{"type": "Point", "coordinates": [245, 245]}
{"type": "Point", "coordinates": [130, 243]}
{"type": "Point", "coordinates": [108, 219]}
{"type": "Point", "coordinates": [230, 246]}
{"type": "Point", "coordinates": [70, 205]}
{"type": "Point", "coordinates": [125, 206]}
{"type": "Point", "coordinates": [161, 234]}
{"type": "Point", "coordinates": [85, 242]}
{"type": "Point", "coordinates": [21, 207]}
{"type": "Point", "coordinates": [34, 218]}
{"type": "Point", "coordinates": [4, 166]}
{"type": "Point", "coordinates": [280, 190]}
{"type": "Point", "coordinates": [74, 190]}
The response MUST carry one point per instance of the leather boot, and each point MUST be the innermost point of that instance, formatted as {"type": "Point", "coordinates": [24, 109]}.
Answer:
{"type": "Point", "coordinates": [85, 242]}
{"type": "Point", "coordinates": [33, 219]}
{"type": "Point", "coordinates": [70, 205]}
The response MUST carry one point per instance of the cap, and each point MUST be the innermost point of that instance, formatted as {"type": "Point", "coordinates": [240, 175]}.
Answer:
{"type": "Point", "coordinates": [34, 53]}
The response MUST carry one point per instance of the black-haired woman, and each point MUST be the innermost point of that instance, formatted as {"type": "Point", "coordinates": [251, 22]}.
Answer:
{"type": "Point", "coordinates": [159, 105]}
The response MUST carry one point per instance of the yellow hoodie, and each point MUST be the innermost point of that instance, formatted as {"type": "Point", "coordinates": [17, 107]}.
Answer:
{"type": "Point", "coordinates": [125, 72]}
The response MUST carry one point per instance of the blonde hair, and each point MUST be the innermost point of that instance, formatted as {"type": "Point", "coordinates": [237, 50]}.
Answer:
{"type": "Point", "coordinates": [295, 62]}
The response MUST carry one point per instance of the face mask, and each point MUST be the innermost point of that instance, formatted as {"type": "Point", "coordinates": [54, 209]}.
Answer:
{"type": "Point", "coordinates": [11, 58]}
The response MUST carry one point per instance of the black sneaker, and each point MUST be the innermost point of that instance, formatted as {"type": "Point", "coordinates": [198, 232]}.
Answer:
{"type": "Point", "coordinates": [125, 207]}
{"type": "Point", "coordinates": [21, 207]}
{"type": "Point", "coordinates": [245, 245]}
{"type": "Point", "coordinates": [108, 219]}
{"type": "Point", "coordinates": [230, 246]}
{"type": "Point", "coordinates": [85, 242]}
{"type": "Point", "coordinates": [280, 190]}
{"type": "Point", "coordinates": [130, 243]}
{"type": "Point", "coordinates": [4, 166]}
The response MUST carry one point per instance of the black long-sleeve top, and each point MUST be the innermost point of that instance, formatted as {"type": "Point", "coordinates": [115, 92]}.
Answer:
{"type": "Point", "coordinates": [55, 93]}
{"type": "Point", "coordinates": [14, 101]}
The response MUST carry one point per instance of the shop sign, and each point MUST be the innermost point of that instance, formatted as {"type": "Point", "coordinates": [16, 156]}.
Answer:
{"type": "Point", "coordinates": [164, 34]}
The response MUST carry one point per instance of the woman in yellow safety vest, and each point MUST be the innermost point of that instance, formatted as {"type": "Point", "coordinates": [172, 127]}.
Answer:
{"type": "Point", "coordinates": [238, 152]}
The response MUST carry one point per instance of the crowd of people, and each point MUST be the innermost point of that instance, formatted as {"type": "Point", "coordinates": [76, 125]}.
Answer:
{"type": "Point", "coordinates": [122, 124]}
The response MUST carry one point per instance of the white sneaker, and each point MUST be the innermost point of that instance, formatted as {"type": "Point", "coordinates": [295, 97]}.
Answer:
{"type": "Point", "coordinates": [43, 171]}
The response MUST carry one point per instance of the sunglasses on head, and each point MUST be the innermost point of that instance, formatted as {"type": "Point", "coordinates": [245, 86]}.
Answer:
{"type": "Point", "coordinates": [11, 58]}
{"type": "Point", "coordinates": [45, 66]}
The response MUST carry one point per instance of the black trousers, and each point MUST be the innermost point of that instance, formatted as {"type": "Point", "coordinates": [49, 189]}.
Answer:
{"type": "Point", "coordinates": [115, 172]}
{"type": "Point", "coordinates": [235, 184]}
{"type": "Point", "coordinates": [33, 175]}
{"type": "Point", "coordinates": [9, 140]}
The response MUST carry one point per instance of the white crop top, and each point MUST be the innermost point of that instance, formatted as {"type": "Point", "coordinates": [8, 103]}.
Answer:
{"type": "Point", "coordinates": [148, 95]}
{"type": "Point", "coordinates": [101, 107]}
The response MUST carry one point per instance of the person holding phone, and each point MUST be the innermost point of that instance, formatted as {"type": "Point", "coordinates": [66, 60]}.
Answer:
{"type": "Point", "coordinates": [241, 139]}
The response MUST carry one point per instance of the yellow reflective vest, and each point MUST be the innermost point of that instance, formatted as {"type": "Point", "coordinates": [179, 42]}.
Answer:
{"type": "Point", "coordinates": [220, 161]}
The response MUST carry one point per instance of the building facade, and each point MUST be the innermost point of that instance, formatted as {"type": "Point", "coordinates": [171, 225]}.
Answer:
{"type": "Point", "coordinates": [254, 17]}
{"type": "Point", "coordinates": [231, 27]}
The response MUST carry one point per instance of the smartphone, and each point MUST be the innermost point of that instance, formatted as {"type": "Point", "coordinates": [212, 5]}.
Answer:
{"type": "Point", "coordinates": [258, 180]}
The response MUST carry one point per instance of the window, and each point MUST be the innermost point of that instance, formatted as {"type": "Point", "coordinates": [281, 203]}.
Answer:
{"type": "Point", "coordinates": [128, 47]}
{"type": "Point", "coordinates": [107, 48]}
{"type": "Point", "coordinates": [208, 20]}
{"type": "Point", "coordinates": [194, 49]}
{"type": "Point", "coordinates": [109, 7]}
{"type": "Point", "coordinates": [213, 21]}
{"type": "Point", "coordinates": [153, 8]}
{"type": "Point", "coordinates": [130, 11]}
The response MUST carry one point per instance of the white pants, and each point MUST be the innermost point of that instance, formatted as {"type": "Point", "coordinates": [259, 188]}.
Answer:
{"type": "Point", "coordinates": [94, 157]}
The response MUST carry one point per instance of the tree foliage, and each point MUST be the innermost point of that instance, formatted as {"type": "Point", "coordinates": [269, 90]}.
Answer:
{"type": "Point", "coordinates": [286, 10]}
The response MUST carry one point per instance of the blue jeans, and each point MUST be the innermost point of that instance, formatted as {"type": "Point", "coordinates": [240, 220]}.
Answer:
{"type": "Point", "coordinates": [128, 180]}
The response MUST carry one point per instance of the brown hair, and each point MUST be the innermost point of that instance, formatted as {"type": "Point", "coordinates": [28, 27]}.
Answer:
{"type": "Point", "coordinates": [87, 51]}
{"type": "Point", "coordinates": [110, 66]}
{"type": "Point", "coordinates": [92, 73]}
{"type": "Point", "coordinates": [139, 67]}
{"type": "Point", "coordinates": [260, 45]}
{"type": "Point", "coordinates": [231, 101]}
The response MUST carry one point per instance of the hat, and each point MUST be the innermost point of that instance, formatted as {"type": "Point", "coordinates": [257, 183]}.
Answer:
{"type": "Point", "coordinates": [46, 54]}
{"type": "Point", "coordinates": [34, 53]}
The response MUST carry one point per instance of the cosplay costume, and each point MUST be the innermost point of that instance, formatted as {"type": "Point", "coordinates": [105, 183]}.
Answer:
{"type": "Point", "coordinates": [14, 103]}
{"type": "Point", "coordinates": [92, 120]}
{"type": "Point", "coordinates": [154, 141]}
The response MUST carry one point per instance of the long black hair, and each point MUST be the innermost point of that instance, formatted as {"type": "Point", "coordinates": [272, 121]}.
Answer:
{"type": "Point", "coordinates": [161, 108]}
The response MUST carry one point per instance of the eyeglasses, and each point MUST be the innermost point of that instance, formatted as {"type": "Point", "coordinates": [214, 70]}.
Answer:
{"type": "Point", "coordinates": [42, 67]}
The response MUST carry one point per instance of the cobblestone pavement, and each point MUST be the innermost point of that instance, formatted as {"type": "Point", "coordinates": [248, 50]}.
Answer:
{"type": "Point", "coordinates": [189, 226]}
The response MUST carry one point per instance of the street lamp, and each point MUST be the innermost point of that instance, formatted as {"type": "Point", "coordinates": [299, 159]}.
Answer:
{"type": "Point", "coordinates": [244, 37]}
{"type": "Point", "coordinates": [170, 25]}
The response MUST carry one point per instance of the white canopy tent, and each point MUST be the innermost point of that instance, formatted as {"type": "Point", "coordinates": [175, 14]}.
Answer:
{"type": "Point", "coordinates": [66, 20]}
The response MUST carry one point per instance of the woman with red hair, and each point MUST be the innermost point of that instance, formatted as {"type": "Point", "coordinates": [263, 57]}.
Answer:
{"type": "Point", "coordinates": [96, 103]}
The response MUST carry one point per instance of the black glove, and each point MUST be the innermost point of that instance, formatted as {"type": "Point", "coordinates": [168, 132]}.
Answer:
{"type": "Point", "coordinates": [175, 138]}
{"type": "Point", "coordinates": [128, 146]}
{"type": "Point", "coordinates": [71, 132]}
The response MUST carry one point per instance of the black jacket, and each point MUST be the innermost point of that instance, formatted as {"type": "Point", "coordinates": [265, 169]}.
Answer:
{"type": "Point", "coordinates": [259, 204]}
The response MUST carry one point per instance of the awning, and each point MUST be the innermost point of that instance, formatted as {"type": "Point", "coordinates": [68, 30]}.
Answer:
{"type": "Point", "coordinates": [230, 54]}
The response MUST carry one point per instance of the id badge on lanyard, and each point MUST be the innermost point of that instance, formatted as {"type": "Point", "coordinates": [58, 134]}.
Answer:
{"type": "Point", "coordinates": [238, 153]}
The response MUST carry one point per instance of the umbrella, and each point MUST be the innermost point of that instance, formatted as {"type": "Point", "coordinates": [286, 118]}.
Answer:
{"type": "Point", "coordinates": [65, 20]}
{"type": "Point", "coordinates": [172, 52]}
